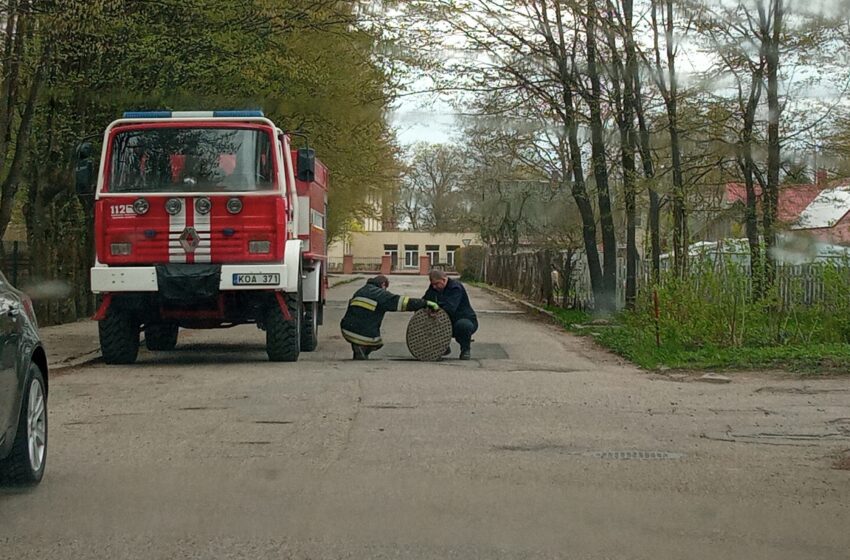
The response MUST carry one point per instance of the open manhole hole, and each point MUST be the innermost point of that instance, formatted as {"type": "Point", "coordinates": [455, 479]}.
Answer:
{"type": "Point", "coordinates": [633, 455]}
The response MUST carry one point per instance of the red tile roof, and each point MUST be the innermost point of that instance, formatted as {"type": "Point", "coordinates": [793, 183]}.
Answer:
{"type": "Point", "coordinates": [793, 199]}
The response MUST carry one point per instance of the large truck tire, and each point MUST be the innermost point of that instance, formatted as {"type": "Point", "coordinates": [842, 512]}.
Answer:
{"type": "Point", "coordinates": [161, 338]}
{"type": "Point", "coordinates": [283, 338]}
{"type": "Point", "coordinates": [310, 327]}
{"type": "Point", "coordinates": [119, 337]}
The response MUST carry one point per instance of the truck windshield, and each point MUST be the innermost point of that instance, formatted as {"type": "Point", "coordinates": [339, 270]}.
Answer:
{"type": "Point", "coordinates": [191, 160]}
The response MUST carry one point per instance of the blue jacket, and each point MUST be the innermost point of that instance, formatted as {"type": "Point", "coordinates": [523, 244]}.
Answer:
{"type": "Point", "coordinates": [454, 300]}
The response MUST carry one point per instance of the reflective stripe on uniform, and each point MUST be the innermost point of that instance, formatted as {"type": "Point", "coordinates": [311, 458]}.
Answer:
{"type": "Point", "coordinates": [365, 303]}
{"type": "Point", "coordinates": [355, 338]}
{"type": "Point", "coordinates": [402, 303]}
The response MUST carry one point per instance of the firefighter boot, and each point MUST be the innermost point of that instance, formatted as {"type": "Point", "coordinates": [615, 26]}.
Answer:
{"type": "Point", "coordinates": [360, 352]}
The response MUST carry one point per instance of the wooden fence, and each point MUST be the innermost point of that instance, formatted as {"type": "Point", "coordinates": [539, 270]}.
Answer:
{"type": "Point", "coordinates": [530, 274]}
{"type": "Point", "coordinates": [15, 261]}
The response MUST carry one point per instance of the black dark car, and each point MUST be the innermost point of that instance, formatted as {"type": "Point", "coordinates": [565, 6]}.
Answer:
{"type": "Point", "coordinates": [23, 390]}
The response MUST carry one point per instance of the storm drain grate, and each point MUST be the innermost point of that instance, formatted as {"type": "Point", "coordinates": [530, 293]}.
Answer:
{"type": "Point", "coordinates": [633, 455]}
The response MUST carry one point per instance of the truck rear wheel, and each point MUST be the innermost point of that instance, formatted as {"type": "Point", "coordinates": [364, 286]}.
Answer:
{"type": "Point", "coordinates": [283, 338]}
{"type": "Point", "coordinates": [161, 338]}
{"type": "Point", "coordinates": [119, 337]}
{"type": "Point", "coordinates": [310, 327]}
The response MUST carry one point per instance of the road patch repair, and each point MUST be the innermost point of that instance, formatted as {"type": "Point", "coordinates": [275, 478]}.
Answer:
{"type": "Point", "coordinates": [483, 351]}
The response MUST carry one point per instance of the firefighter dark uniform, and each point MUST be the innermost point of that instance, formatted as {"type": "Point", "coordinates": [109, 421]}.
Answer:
{"type": "Point", "coordinates": [361, 325]}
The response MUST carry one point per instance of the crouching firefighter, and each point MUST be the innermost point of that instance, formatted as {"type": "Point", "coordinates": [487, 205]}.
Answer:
{"type": "Point", "coordinates": [361, 325]}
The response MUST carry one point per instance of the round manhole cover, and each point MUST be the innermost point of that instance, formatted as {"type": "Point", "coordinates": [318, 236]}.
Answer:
{"type": "Point", "coordinates": [429, 334]}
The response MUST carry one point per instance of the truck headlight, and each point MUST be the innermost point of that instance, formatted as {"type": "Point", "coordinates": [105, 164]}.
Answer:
{"type": "Point", "coordinates": [120, 249]}
{"type": "Point", "coordinates": [203, 205]}
{"type": "Point", "coordinates": [259, 246]}
{"type": "Point", "coordinates": [173, 206]}
{"type": "Point", "coordinates": [141, 206]}
{"type": "Point", "coordinates": [234, 205]}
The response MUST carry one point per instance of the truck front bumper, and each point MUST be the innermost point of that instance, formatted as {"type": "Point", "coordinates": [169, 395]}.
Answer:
{"type": "Point", "coordinates": [117, 279]}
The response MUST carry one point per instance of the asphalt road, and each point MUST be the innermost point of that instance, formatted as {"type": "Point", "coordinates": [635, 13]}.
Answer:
{"type": "Point", "coordinates": [542, 447]}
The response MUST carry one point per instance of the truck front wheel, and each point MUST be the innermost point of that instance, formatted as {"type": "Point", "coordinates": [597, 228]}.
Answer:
{"type": "Point", "coordinates": [283, 337]}
{"type": "Point", "coordinates": [161, 338]}
{"type": "Point", "coordinates": [119, 337]}
{"type": "Point", "coordinates": [310, 327]}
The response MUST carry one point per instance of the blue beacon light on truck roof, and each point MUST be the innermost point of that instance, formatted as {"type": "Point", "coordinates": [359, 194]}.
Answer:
{"type": "Point", "coordinates": [254, 113]}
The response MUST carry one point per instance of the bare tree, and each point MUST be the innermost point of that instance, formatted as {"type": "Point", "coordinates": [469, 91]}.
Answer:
{"type": "Point", "coordinates": [431, 197]}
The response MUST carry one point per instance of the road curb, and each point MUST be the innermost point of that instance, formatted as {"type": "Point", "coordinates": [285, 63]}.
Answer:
{"type": "Point", "coordinates": [510, 296]}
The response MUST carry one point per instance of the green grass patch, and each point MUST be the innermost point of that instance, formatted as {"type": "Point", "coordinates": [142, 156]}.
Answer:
{"type": "Point", "coordinates": [639, 346]}
{"type": "Point", "coordinates": [707, 323]}
{"type": "Point", "coordinates": [570, 318]}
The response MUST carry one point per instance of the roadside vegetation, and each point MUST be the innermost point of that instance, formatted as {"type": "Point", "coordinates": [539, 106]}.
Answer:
{"type": "Point", "coordinates": [70, 67]}
{"type": "Point", "coordinates": [708, 321]}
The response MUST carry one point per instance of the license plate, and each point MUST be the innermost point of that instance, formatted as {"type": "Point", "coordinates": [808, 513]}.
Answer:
{"type": "Point", "coordinates": [256, 279]}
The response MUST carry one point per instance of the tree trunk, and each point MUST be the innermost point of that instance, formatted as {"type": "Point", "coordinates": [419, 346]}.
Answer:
{"type": "Point", "coordinates": [680, 218]}
{"type": "Point", "coordinates": [629, 172]}
{"type": "Point", "coordinates": [648, 172]}
{"type": "Point", "coordinates": [13, 177]}
{"type": "Point", "coordinates": [600, 168]}
{"type": "Point", "coordinates": [12, 54]}
{"type": "Point", "coordinates": [576, 165]}
{"type": "Point", "coordinates": [622, 91]}
{"type": "Point", "coordinates": [748, 170]}
{"type": "Point", "coordinates": [669, 92]}
{"type": "Point", "coordinates": [771, 193]}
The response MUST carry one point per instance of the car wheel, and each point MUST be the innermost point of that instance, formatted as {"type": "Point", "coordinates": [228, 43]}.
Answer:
{"type": "Point", "coordinates": [161, 337]}
{"type": "Point", "coordinates": [119, 338]}
{"type": "Point", "coordinates": [25, 464]}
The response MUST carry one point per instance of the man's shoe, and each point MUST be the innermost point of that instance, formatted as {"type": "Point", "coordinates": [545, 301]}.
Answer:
{"type": "Point", "coordinates": [447, 351]}
{"type": "Point", "coordinates": [465, 354]}
{"type": "Point", "coordinates": [360, 353]}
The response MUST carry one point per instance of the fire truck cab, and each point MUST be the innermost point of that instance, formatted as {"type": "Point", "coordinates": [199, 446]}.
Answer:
{"type": "Point", "coordinates": [205, 219]}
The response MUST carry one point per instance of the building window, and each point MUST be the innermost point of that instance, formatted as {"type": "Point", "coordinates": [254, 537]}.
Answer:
{"type": "Point", "coordinates": [450, 254]}
{"type": "Point", "coordinates": [392, 251]}
{"type": "Point", "coordinates": [411, 256]}
{"type": "Point", "coordinates": [433, 252]}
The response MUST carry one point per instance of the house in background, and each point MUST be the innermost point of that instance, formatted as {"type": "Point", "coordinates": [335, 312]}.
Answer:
{"type": "Point", "coordinates": [820, 211]}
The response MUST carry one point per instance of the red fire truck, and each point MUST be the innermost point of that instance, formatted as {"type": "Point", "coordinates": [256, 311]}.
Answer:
{"type": "Point", "coordinates": [205, 219]}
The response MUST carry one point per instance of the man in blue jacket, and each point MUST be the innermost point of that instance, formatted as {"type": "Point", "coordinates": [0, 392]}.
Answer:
{"type": "Point", "coordinates": [451, 296]}
{"type": "Point", "coordinates": [361, 325]}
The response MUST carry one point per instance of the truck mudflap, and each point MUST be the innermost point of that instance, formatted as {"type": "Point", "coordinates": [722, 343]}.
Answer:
{"type": "Point", "coordinates": [186, 284]}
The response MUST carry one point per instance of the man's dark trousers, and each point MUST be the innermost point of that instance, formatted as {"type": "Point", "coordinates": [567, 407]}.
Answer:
{"type": "Point", "coordinates": [462, 331]}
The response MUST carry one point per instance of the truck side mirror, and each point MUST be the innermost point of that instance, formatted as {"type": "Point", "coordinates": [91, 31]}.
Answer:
{"type": "Point", "coordinates": [84, 169]}
{"type": "Point", "coordinates": [306, 165]}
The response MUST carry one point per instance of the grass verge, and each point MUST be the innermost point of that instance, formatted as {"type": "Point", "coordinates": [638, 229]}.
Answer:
{"type": "Point", "coordinates": [638, 345]}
